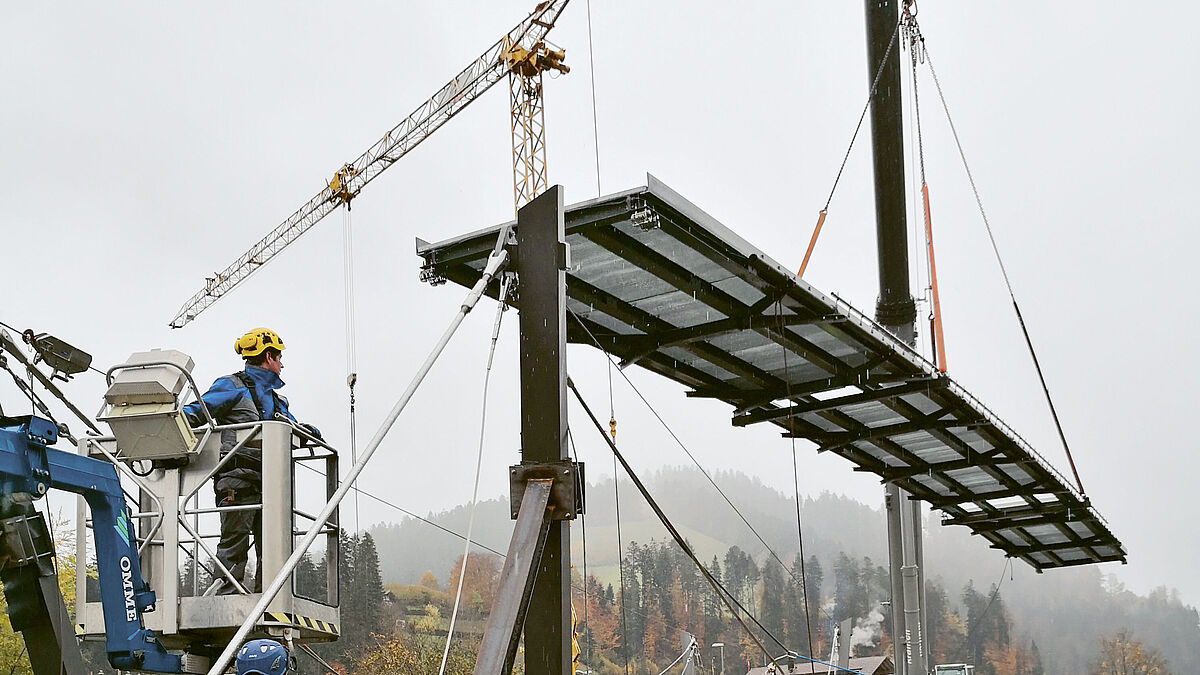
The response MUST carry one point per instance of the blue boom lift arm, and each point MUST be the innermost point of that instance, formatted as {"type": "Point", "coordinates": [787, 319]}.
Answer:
{"type": "Point", "coordinates": [28, 469]}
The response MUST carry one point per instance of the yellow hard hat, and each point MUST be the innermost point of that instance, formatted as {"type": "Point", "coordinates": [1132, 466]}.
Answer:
{"type": "Point", "coordinates": [257, 341]}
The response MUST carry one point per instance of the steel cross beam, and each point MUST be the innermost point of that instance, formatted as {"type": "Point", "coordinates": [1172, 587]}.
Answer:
{"type": "Point", "coordinates": [498, 648]}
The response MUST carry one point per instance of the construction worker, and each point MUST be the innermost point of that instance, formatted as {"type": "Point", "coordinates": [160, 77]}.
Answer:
{"type": "Point", "coordinates": [262, 657]}
{"type": "Point", "coordinates": [245, 396]}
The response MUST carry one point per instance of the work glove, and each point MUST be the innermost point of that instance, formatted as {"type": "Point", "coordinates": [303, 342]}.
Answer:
{"type": "Point", "coordinates": [313, 431]}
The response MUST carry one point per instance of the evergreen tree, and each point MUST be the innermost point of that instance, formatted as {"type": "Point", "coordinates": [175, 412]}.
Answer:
{"type": "Point", "coordinates": [366, 589]}
{"type": "Point", "coordinates": [189, 584]}
{"type": "Point", "coordinates": [774, 589]}
{"type": "Point", "coordinates": [850, 593]}
{"type": "Point", "coordinates": [753, 575]}
{"type": "Point", "coordinates": [795, 630]}
{"type": "Point", "coordinates": [814, 576]}
{"type": "Point", "coordinates": [310, 582]}
{"type": "Point", "coordinates": [736, 573]}
{"type": "Point", "coordinates": [633, 623]}
{"type": "Point", "coordinates": [361, 597]}
{"type": "Point", "coordinates": [691, 583]}
{"type": "Point", "coordinates": [714, 613]}
{"type": "Point", "coordinates": [987, 627]}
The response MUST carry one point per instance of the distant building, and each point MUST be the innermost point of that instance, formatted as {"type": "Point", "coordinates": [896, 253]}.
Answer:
{"type": "Point", "coordinates": [867, 665]}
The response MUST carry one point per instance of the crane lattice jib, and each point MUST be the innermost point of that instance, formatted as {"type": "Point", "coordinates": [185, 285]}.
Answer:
{"type": "Point", "coordinates": [459, 92]}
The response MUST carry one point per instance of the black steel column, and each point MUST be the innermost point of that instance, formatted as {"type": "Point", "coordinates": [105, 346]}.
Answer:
{"type": "Point", "coordinates": [543, 290]}
{"type": "Point", "coordinates": [893, 500]}
{"type": "Point", "coordinates": [895, 308]}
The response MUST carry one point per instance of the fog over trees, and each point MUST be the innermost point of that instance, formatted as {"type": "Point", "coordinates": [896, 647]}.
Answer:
{"type": "Point", "coordinates": [1005, 618]}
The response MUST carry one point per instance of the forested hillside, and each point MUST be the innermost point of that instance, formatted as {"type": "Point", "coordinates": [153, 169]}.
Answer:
{"type": "Point", "coordinates": [1057, 619]}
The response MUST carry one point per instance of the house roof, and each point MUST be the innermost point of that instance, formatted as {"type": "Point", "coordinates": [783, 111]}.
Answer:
{"type": "Point", "coordinates": [866, 665]}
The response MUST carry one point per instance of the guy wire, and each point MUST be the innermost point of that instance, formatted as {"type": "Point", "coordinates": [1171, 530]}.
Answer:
{"type": "Point", "coordinates": [787, 379]}
{"type": "Point", "coordinates": [686, 451]}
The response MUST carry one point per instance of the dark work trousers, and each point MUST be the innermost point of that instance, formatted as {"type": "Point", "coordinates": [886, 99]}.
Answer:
{"type": "Point", "coordinates": [236, 529]}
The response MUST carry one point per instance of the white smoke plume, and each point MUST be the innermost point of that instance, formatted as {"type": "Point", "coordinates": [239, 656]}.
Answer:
{"type": "Point", "coordinates": [867, 632]}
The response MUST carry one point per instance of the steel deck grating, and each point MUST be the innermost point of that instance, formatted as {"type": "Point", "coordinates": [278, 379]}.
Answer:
{"type": "Point", "coordinates": [657, 282]}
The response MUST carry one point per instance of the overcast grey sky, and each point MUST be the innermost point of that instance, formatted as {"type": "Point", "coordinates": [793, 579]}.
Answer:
{"type": "Point", "coordinates": [148, 145]}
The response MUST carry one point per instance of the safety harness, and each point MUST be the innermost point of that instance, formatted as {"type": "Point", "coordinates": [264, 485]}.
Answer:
{"type": "Point", "coordinates": [248, 383]}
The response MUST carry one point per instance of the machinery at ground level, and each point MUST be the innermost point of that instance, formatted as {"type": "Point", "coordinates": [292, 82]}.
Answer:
{"type": "Point", "coordinates": [29, 468]}
{"type": "Point", "coordinates": [147, 581]}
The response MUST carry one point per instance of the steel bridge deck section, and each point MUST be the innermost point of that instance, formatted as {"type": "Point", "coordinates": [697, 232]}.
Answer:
{"type": "Point", "coordinates": [657, 282]}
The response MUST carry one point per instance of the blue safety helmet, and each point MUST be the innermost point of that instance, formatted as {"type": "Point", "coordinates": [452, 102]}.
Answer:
{"type": "Point", "coordinates": [262, 657]}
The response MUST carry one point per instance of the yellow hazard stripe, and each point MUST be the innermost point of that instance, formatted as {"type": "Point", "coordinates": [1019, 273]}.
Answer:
{"type": "Point", "coordinates": [300, 622]}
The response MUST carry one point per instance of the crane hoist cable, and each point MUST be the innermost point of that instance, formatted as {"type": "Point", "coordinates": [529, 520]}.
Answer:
{"type": "Point", "coordinates": [861, 118]}
{"type": "Point", "coordinates": [495, 262]}
{"type": "Point", "coordinates": [612, 430]}
{"type": "Point", "coordinates": [916, 42]}
{"type": "Point", "coordinates": [920, 290]}
{"type": "Point", "coordinates": [351, 338]}
{"type": "Point", "coordinates": [505, 281]}
{"type": "Point", "coordinates": [595, 123]}
{"type": "Point", "coordinates": [1000, 261]}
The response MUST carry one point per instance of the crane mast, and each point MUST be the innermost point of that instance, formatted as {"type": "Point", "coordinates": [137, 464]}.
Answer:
{"type": "Point", "coordinates": [525, 68]}
{"type": "Point", "coordinates": [522, 53]}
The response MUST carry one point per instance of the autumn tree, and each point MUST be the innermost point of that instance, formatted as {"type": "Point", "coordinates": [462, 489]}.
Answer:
{"type": "Point", "coordinates": [597, 622]}
{"type": "Point", "coordinates": [429, 581]}
{"type": "Point", "coordinates": [409, 653]}
{"type": "Point", "coordinates": [1122, 655]}
{"type": "Point", "coordinates": [479, 583]}
{"type": "Point", "coordinates": [945, 635]}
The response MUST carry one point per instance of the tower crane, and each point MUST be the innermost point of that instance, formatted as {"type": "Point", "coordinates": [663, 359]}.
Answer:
{"type": "Point", "coordinates": [522, 53]}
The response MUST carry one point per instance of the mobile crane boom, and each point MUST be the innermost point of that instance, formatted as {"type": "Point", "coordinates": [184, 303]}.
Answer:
{"type": "Point", "coordinates": [28, 469]}
{"type": "Point", "coordinates": [521, 52]}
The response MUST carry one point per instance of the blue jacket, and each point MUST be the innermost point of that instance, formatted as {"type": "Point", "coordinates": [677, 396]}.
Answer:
{"type": "Point", "coordinates": [230, 402]}
{"type": "Point", "coordinates": [228, 394]}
